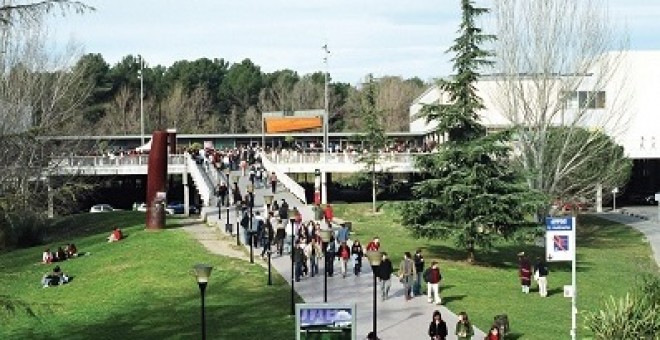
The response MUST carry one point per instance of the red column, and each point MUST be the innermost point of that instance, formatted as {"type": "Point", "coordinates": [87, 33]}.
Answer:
{"type": "Point", "coordinates": [156, 180]}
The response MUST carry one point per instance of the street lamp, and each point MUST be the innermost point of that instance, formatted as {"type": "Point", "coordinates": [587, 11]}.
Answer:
{"type": "Point", "coordinates": [326, 142]}
{"type": "Point", "coordinates": [374, 259]}
{"type": "Point", "coordinates": [141, 76]}
{"type": "Point", "coordinates": [293, 276]}
{"type": "Point", "coordinates": [203, 272]}
{"type": "Point", "coordinates": [251, 203]}
{"type": "Point", "coordinates": [326, 235]}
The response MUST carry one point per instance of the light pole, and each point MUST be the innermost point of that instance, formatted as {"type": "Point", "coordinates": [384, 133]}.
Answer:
{"type": "Point", "coordinates": [614, 192]}
{"type": "Point", "coordinates": [263, 133]}
{"type": "Point", "coordinates": [203, 272]}
{"type": "Point", "coordinates": [326, 234]}
{"type": "Point", "coordinates": [251, 203]}
{"type": "Point", "coordinates": [293, 276]}
{"type": "Point", "coordinates": [141, 76]}
{"type": "Point", "coordinates": [268, 199]}
{"type": "Point", "coordinates": [326, 142]}
{"type": "Point", "coordinates": [374, 259]}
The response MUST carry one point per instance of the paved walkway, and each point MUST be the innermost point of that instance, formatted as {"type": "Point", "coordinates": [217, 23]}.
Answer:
{"type": "Point", "coordinates": [649, 227]}
{"type": "Point", "coordinates": [397, 319]}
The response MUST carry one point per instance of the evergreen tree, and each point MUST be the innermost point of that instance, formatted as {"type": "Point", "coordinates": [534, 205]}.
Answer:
{"type": "Point", "coordinates": [471, 191]}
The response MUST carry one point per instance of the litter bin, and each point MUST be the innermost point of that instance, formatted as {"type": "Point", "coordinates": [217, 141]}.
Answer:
{"type": "Point", "coordinates": [502, 322]}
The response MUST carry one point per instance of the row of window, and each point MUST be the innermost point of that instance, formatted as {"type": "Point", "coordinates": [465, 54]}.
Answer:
{"type": "Point", "coordinates": [586, 100]}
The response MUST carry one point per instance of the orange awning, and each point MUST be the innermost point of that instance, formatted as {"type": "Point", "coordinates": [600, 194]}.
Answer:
{"type": "Point", "coordinates": [290, 124]}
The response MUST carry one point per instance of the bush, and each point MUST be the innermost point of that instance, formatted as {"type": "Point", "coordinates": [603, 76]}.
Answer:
{"type": "Point", "coordinates": [22, 230]}
{"type": "Point", "coordinates": [636, 316]}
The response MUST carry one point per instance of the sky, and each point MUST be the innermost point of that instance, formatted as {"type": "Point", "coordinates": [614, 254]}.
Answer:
{"type": "Point", "coordinates": [382, 37]}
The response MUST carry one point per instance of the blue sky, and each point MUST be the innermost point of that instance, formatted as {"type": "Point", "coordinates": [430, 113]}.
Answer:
{"type": "Point", "coordinates": [383, 37]}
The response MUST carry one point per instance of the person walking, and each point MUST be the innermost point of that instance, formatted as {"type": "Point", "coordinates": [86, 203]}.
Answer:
{"type": "Point", "coordinates": [356, 254]}
{"type": "Point", "coordinates": [330, 256]}
{"type": "Point", "coordinates": [298, 254]}
{"type": "Point", "coordinates": [433, 278]}
{"type": "Point", "coordinates": [525, 272]}
{"type": "Point", "coordinates": [313, 253]}
{"type": "Point", "coordinates": [343, 234]}
{"type": "Point", "coordinates": [407, 274]}
{"type": "Point", "coordinates": [464, 330]}
{"type": "Point", "coordinates": [237, 194]}
{"type": "Point", "coordinates": [438, 327]}
{"type": "Point", "coordinates": [221, 192]}
{"type": "Point", "coordinates": [273, 182]}
{"type": "Point", "coordinates": [541, 273]}
{"type": "Point", "coordinates": [418, 258]}
{"type": "Point", "coordinates": [267, 238]}
{"type": "Point", "coordinates": [344, 254]}
{"type": "Point", "coordinates": [384, 273]}
{"type": "Point", "coordinates": [374, 245]}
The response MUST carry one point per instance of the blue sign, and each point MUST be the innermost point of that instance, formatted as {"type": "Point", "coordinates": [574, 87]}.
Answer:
{"type": "Point", "coordinates": [558, 223]}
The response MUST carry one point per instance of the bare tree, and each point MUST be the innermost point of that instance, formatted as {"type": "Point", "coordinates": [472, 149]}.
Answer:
{"type": "Point", "coordinates": [41, 94]}
{"type": "Point", "coordinates": [556, 63]}
{"type": "Point", "coordinates": [123, 114]}
{"type": "Point", "coordinates": [307, 94]}
{"type": "Point", "coordinates": [394, 98]}
{"type": "Point", "coordinates": [188, 112]}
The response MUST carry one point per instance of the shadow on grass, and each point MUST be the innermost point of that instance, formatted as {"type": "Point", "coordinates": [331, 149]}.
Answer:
{"type": "Point", "coordinates": [513, 336]}
{"type": "Point", "coordinates": [451, 298]}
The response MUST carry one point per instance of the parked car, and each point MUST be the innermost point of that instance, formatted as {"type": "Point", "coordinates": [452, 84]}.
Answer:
{"type": "Point", "coordinates": [101, 208]}
{"type": "Point", "coordinates": [143, 207]}
{"type": "Point", "coordinates": [179, 208]}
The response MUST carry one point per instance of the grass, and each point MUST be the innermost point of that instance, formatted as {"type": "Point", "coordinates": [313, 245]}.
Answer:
{"type": "Point", "coordinates": [611, 257]}
{"type": "Point", "coordinates": [139, 288]}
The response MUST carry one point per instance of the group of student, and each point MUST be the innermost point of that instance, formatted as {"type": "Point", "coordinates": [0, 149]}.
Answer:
{"type": "Point", "coordinates": [61, 254]}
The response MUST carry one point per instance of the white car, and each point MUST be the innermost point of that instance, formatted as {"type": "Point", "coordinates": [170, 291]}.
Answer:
{"type": "Point", "coordinates": [143, 207]}
{"type": "Point", "coordinates": [101, 208]}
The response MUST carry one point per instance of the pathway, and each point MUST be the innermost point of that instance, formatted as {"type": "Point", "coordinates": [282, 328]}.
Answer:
{"type": "Point", "coordinates": [397, 319]}
{"type": "Point", "coordinates": [649, 227]}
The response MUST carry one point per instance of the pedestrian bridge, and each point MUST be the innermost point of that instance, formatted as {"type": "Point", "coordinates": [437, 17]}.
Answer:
{"type": "Point", "coordinates": [206, 177]}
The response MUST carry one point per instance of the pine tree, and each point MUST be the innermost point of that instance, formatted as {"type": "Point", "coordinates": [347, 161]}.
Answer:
{"type": "Point", "coordinates": [471, 191]}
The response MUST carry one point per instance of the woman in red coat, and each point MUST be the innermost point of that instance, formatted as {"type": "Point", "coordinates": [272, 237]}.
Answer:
{"type": "Point", "coordinates": [525, 272]}
{"type": "Point", "coordinates": [493, 333]}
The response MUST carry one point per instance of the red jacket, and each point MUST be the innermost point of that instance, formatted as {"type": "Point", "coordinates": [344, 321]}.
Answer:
{"type": "Point", "coordinates": [328, 213]}
{"type": "Point", "coordinates": [373, 246]}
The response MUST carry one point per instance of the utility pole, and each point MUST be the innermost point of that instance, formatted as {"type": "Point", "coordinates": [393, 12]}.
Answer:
{"type": "Point", "coordinates": [141, 76]}
{"type": "Point", "coordinates": [326, 128]}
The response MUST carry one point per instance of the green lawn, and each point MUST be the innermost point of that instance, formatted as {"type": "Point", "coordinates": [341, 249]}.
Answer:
{"type": "Point", "coordinates": [139, 288]}
{"type": "Point", "coordinates": [611, 257]}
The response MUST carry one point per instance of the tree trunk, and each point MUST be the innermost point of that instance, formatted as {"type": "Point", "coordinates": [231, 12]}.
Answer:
{"type": "Point", "coordinates": [373, 188]}
{"type": "Point", "coordinates": [470, 250]}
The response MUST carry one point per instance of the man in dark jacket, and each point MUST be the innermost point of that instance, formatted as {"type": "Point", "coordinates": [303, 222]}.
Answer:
{"type": "Point", "coordinates": [419, 267]}
{"type": "Point", "coordinates": [384, 273]}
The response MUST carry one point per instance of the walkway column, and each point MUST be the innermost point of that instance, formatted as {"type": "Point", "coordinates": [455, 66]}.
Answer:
{"type": "Point", "coordinates": [186, 190]}
{"type": "Point", "coordinates": [599, 198]}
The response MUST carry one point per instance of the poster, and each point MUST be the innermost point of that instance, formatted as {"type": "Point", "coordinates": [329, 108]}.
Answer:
{"type": "Point", "coordinates": [559, 239]}
{"type": "Point", "coordinates": [325, 321]}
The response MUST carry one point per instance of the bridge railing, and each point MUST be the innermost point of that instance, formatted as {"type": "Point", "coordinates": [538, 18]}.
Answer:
{"type": "Point", "coordinates": [100, 161]}
{"type": "Point", "coordinates": [347, 158]}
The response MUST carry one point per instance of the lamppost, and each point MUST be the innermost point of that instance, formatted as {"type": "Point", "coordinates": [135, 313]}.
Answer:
{"type": "Point", "coordinates": [140, 75]}
{"type": "Point", "coordinates": [374, 259]}
{"type": "Point", "coordinates": [228, 224]}
{"type": "Point", "coordinates": [249, 232]}
{"type": "Point", "coordinates": [203, 272]}
{"type": "Point", "coordinates": [326, 235]}
{"type": "Point", "coordinates": [263, 132]}
{"type": "Point", "coordinates": [293, 277]}
{"type": "Point", "coordinates": [268, 199]}
{"type": "Point", "coordinates": [326, 142]}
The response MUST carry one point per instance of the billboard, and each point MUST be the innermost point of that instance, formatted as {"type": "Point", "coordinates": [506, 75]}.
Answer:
{"type": "Point", "coordinates": [324, 321]}
{"type": "Point", "coordinates": [559, 239]}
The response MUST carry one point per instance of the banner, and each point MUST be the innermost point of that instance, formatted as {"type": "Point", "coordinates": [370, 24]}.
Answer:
{"type": "Point", "coordinates": [559, 239]}
{"type": "Point", "coordinates": [325, 321]}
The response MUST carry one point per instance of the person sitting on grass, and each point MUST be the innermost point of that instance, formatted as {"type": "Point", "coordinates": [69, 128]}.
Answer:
{"type": "Point", "coordinates": [60, 255]}
{"type": "Point", "coordinates": [71, 250]}
{"type": "Point", "coordinates": [116, 235]}
{"type": "Point", "coordinates": [54, 278]}
{"type": "Point", "coordinates": [47, 256]}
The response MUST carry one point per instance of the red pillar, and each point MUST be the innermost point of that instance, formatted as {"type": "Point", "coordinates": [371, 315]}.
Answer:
{"type": "Point", "coordinates": [156, 180]}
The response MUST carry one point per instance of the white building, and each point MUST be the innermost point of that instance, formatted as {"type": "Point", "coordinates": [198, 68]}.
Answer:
{"type": "Point", "coordinates": [626, 105]}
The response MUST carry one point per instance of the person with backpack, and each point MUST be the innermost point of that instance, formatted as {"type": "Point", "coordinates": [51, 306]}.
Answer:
{"type": "Point", "coordinates": [284, 211]}
{"type": "Point", "coordinates": [245, 224]}
{"type": "Point", "coordinates": [433, 277]}
{"type": "Point", "coordinates": [384, 273]}
{"type": "Point", "coordinates": [330, 256]}
{"type": "Point", "coordinates": [267, 237]}
{"type": "Point", "coordinates": [418, 258]}
{"type": "Point", "coordinates": [221, 193]}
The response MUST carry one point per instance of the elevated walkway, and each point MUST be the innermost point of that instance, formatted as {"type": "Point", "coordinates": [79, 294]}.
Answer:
{"type": "Point", "coordinates": [308, 162]}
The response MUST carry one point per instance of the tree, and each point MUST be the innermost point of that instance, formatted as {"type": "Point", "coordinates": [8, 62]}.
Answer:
{"type": "Point", "coordinates": [555, 61]}
{"type": "Point", "coordinates": [374, 133]}
{"type": "Point", "coordinates": [394, 98]}
{"type": "Point", "coordinates": [41, 93]}
{"type": "Point", "coordinates": [471, 191]}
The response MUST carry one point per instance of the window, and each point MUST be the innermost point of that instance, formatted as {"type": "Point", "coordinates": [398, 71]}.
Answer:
{"type": "Point", "coordinates": [591, 99]}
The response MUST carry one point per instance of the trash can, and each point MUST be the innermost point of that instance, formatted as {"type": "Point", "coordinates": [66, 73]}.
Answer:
{"type": "Point", "coordinates": [502, 322]}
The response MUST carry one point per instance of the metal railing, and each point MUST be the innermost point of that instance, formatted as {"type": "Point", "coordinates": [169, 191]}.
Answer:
{"type": "Point", "coordinates": [346, 158]}
{"type": "Point", "coordinates": [100, 161]}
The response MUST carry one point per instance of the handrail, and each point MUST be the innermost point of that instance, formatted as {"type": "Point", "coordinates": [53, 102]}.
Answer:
{"type": "Point", "coordinates": [200, 180]}
{"type": "Point", "coordinates": [290, 157]}
{"type": "Point", "coordinates": [295, 188]}
{"type": "Point", "coordinates": [96, 161]}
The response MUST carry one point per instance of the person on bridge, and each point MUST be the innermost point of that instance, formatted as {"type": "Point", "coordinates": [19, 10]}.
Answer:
{"type": "Point", "coordinates": [273, 182]}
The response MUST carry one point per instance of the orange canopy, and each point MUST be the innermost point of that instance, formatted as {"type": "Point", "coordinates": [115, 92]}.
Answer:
{"type": "Point", "coordinates": [289, 124]}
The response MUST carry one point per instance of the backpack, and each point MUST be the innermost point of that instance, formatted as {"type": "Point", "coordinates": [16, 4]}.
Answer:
{"type": "Point", "coordinates": [245, 221]}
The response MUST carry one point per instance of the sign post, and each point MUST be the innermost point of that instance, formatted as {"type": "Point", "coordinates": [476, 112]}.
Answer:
{"type": "Point", "coordinates": [560, 247]}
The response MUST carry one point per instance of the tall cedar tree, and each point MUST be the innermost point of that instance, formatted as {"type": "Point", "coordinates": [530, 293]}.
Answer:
{"type": "Point", "coordinates": [471, 191]}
